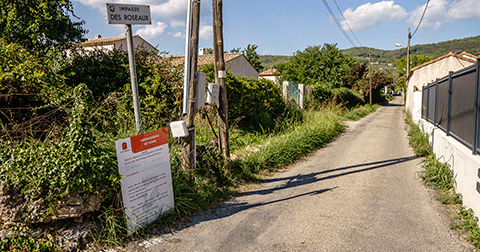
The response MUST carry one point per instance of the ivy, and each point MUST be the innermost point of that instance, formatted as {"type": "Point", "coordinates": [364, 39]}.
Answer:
{"type": "Point", "coordinates": [75, 164]}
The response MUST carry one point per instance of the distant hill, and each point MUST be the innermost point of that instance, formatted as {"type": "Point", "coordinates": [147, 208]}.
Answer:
{"type": "Point", "coordinates": [383, 58]}
{"type": "Point", "coordinates": [470, 45]}
{"type": "Point", "coordinates": [269, 61]}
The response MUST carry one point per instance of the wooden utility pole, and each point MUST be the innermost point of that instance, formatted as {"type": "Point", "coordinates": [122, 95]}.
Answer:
{"type": "Point", "coordinates": [370, 73]}
{"type": "Point", "coordinates": [220, 76]}
{"type": "Point", "coordinates": [408, 53]}
{"type": "Point", "coordinates": [188, 152]}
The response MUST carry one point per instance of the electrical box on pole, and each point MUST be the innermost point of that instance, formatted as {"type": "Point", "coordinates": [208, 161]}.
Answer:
{"type": "Point", "coordinates": [213, 91]}
{"type": "Point", "coordinates": [200, 94]}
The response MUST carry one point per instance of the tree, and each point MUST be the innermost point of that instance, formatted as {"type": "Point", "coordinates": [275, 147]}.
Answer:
{"type": "Point", "coordinates": [251, 54]}
{"type": "Point", "coordinates": [39, 24]}
{"type": "Point", "coordinates": [318, 64]}
{"type": "Point", "coordinates": [415, 60]}
{"type": "Point", "coordinates": [235, 50]}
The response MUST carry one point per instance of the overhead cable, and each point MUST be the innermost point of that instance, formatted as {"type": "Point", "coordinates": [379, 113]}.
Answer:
{"type": "Point", "coordinates": [338, 23]}
{"type": "Point", "coordinates": [341, 13]}
{"type": "Point", "coordinates": [425, 10]}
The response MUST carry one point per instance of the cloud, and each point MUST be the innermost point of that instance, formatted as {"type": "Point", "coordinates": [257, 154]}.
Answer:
{"type": "Point", "coordinates": [368, 15]}
{"type": "Point", "coordinates": [206, 31]}
{"type": "Point", "coordinates": [177, 23]}
{"type": "Point", "coordinates": [435, 16]}
{"type": "Point", "coordinates": [152, 31]}
{"type": "Point", "coordinates": [177, 35]}
{"type": "Point", "coordinates": [441, 12]}
{"type": "Point", "coordinates": [464, 9]}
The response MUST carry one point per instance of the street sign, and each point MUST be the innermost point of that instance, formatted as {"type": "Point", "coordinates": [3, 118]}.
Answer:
{"type": "Point", "coordinates": [128, 14]}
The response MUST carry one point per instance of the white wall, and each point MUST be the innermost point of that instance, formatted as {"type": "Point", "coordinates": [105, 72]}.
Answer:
{"type": "Point", "coordinates": [465, 165]}
{"type": "Point", "coordinates": [428, 74]}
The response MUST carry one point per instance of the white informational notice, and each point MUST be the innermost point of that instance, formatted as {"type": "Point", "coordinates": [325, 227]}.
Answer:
{"type": "Point", "coordinates": [147, 189]}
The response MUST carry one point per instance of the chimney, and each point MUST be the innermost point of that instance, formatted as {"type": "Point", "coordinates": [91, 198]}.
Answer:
{"type": "Point", "coordinates": [201, 51]}
{"type": "Point", "coordinates": [97, 36]}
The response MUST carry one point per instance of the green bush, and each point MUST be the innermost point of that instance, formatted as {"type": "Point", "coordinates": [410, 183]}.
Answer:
{"type": "Point", "coordinates": [325, 92]}
{"type": "Point", "coordinates": [253, 104]}
{"type": "Point", "coordinates": [75, 163]}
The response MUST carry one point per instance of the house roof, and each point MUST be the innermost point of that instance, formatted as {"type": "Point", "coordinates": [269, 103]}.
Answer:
{"type": "Point", "coordinates": [107, 41]}
{"type": "Point", "coordinates": [203, 59]}
{"type": "Point", "coordinates": [268, 72]}
{"type": "Point", "coordinates": [463, 56]}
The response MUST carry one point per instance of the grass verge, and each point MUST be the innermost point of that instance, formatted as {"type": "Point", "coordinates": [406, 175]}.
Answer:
{"type": "Point", "coordinates": [439, 176]}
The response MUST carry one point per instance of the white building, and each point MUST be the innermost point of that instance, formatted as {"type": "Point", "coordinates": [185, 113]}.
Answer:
{"type": "Point", "coordinates": [236, 63]}
{"type": "Point", "coordinates": [118, 43]}
{"type": "Point", "coordinates": [427, 73]}
{"type": "Point", "coordinates": [269, 74]}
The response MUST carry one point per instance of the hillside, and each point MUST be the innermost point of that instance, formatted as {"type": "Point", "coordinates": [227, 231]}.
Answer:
{"type": "Point", "coordinates": [384, 57]}
{"type": "Point", "coordinates": [269, 61]}
{"type": "Point", "coordinates": [470, 45]}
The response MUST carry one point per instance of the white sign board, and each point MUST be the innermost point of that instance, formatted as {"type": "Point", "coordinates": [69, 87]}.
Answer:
{"type": "Point", "coordinates": [147, 190]}
{"type": "Point", "coordinates": [128, 14]}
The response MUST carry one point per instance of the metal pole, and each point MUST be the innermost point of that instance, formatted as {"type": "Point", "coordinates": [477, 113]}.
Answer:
{"type": "Point", "coordinates": [435, 117]}
{"type": "Point", "coordinates": [133, 78]}
{"type": "Point", "coordinates": [186, 79]}
{"type": "Point", "coordinates": [477, 95]}
{"type": "Point", "coordinates": [449, 108]}
{"type": "Point", "coordinates": [428, 100]}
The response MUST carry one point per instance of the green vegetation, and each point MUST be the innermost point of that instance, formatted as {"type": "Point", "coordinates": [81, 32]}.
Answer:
{"type": "Point", "coordinates": [252, 56]}
{"type": "Point", "coordinates": [359, 112]}
{"type": "Point", "coordinates": [335, 76]}
{"type": "Point", "coordinates": [439, 176]}
{"type": "Point", "coordinates": [88, 96]}
{"type": "Point", "coordinates": [470, 45]}
{"type": "Point", "coordinates": [39, 24]}
{"type": "Point", "coordinates": [272, 61]}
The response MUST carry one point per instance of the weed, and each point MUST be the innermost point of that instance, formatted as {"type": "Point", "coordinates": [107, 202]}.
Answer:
{"type": "Point", "coordinates": [359, 112]}
{"type": "Point", "coordinates": [441, 177]}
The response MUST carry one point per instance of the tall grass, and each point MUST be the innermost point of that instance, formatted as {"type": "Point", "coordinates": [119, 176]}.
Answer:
{"type": "Point", "coordinates": [318, 129]}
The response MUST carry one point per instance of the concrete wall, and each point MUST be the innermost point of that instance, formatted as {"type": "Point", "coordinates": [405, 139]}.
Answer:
{"type": "Point", "coordinates": [269, 77]}
{"type": "Point", "coordinates": [240, 66]}
{"type": "Point", "coordinates": [428, 74]}
{"type": "Point", "coordinates": [465, 165]}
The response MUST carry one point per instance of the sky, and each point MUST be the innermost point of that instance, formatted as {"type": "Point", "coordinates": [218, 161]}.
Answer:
{"type": "Point", "coordinates": [284, 27]}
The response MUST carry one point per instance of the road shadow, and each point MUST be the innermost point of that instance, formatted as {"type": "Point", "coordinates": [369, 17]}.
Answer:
{"type": "Point", "coordinates": [232, 207]}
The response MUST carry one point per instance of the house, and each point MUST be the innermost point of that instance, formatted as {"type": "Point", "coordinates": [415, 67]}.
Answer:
{"type": "Point", "coordinates": [236, 63]}
{"type": "Point", "coordinates": [269, 74]}
{"type": "Point", "coordinates": [449, 118]}
{"type": "Point", "coordinates": [427, 73]}
{"type": "Point", "coordinates": [118, 43]}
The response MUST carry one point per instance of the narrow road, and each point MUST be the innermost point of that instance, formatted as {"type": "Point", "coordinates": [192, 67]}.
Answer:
{"type": "Point", "coordinates": [359, 193]}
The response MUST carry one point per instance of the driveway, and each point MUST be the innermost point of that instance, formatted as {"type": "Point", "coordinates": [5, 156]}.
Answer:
{"type": "Point", "coordinates": [359, 193]}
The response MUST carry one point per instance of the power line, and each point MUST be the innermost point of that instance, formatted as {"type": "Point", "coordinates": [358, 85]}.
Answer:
{"type": "Point", "coordinates": [338, 23]}
{"type": "Point", "coordinates": [341, 13]}
{"type": "Point", "coordinates": [425, 10]}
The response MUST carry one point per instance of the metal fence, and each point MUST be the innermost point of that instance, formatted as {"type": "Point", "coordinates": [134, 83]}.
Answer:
{"type": "Point", "coordinates": [452, 104]}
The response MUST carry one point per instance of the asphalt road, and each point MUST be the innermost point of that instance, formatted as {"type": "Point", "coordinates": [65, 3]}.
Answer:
{"type": "Point", "coordinates": [359, 193]}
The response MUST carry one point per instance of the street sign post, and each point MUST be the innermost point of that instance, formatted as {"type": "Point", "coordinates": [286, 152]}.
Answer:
{"type": "Point", "coordinates": [129, 14]}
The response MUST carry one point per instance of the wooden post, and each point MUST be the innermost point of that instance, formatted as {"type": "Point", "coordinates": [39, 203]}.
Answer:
{"type": "Point", "coordinates": [220, 76]}
{"type": "Point", "coordinates": [408, 53]}
{"type": "Point", "coordinates": [188, 151]}
{"type": "Point", "coordinates": [370, 73]}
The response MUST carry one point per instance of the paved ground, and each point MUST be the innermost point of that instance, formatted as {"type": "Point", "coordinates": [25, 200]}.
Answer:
{"type": "Point", "coordinates": [357, 194]}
